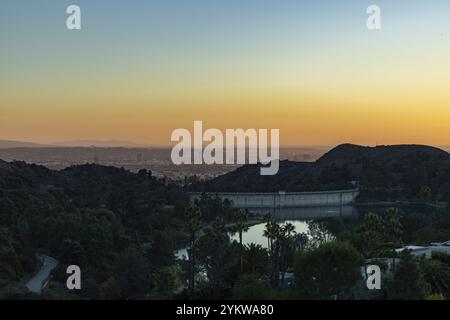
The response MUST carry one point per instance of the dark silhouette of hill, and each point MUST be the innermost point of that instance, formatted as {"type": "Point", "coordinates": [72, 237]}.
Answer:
{"type": "Point", "coordinates": [383, 172]}
{"type": "Point", "coordinates": [350, 154]}
{"type": "Point", "coordinates": [88, 185]}
{"type": "Point", "coordinates": [248, 179]}
{"type": "Point", "coordinates": [100, 218]}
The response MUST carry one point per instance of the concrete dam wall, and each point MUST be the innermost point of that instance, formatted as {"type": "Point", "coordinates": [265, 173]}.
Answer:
{"type": "Point", "coordinates": [287, 199]}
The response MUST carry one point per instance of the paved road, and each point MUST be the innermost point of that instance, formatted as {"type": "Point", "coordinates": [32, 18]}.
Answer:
{"type": "Point", "coordinates": [37, 282]}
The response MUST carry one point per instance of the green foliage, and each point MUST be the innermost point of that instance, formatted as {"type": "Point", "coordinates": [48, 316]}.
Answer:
{"type": "Point", "coordinates": [193, 226]}
{"type": "Point", "coordinates": [219, 257]}
{"type": "Point", "coordinates": [441, 256]}
{"type": "Point", "coordinates": [408, 282]}
{"type": "Point", "coordinates": [12, 263]}
{"type": "Point", "coordinates": [132, 273]}
{"type": "Point", "coordinates": [167, 282]}
{"type": "Point", "coordinates": [110, 289]}
{"type": "Point", "coordinates": [213, 206]}
{"type": "Point", "coordinates": [379, 232]}
{"type": "Point", "coordinates": [437, 275]}
{"type": "Point", "coordinates": [425, 193]}
{"type": "Point", "coordinates": [435, 296]}
{"type": "Point", "coordinates": [250, 288]}
{"type": "Point", "coordinates": [120, 228]}
{"type": "Point", "coordinates": [123, 228]}
{"type": "Point", "coordinates": [326, 271]}
{"type": "Point", "coordinates": [281, 243]}
{"type": "Point", "coordinates": [318, 233]}
{"type": "Point", "coordinates": [256, 259]}
{"type": "Point", "coordinates": [240, 219]}
{"type": "Point", "coordinates": [422, 228]}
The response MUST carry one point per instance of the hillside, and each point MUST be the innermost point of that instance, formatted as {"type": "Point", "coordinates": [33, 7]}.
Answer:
{"type": "Point", "coordinates": [103, 219]}
{"type": "Point", "coordinates": [382, 172]}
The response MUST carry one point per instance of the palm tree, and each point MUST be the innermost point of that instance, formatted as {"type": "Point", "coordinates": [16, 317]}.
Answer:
{"type": "Point", "coordinates": [255, 257]}
{"type": "Point", "coordinates": [219, 240]}
{"type": "Point", "coordinates": [272, 232]}
{"type": "Point", "coordinates": [288, 229]}
{"type": "Point", "coordinates": [268, 220]}
{"type": "Point", "coordinates": [241, 219]}
{"type": "Point", "coordinates": [300, 241]}
{"type": "Point", "coordinates": [193, 226]}
{"type": "Point", "coordinates": [286, 240]}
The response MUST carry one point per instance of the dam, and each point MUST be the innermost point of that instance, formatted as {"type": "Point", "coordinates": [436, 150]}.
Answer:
{"type": "Point", "coordinates": [278, 200]}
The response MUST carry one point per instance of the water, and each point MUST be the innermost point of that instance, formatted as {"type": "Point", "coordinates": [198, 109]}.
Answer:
{"type": "Point", "coordinates": [303, 214]}
{"type": "Point", "coordinates": [299, 217]}
{"type": "Point", "coordinates": [255, 234]}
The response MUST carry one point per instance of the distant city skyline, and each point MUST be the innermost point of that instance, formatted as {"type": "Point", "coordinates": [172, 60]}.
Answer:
{"type": "Point", "coordinates": [137, 71]}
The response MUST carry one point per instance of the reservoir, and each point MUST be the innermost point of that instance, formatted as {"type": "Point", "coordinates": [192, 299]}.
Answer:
{"type": "Point", "coordinates": [301, 217]}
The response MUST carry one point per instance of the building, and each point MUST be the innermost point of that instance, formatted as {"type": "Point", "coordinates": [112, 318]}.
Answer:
{"type": "Point", "coordinates": [418, 251]}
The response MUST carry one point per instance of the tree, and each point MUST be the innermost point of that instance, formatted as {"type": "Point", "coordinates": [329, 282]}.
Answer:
{"type": "Point", "coordinates": [218, 256]}
{"type": "Point", "coordinates": [193, 226]}
{"type": "Point", "coordinates": [286, 239]}
{"type": "Point", "coordinates": [220, 240]}
{"type": "Point", "coordinates": [268, 220]}
{"type": "Point", "coordinates": [437, 275]}
{"type": "Point", "coordinates": [89, 215]}
{"type": "Point", "coordinates": [240, 224]}
{"type": "Point", "coordinates": [409, 282]}
{"type": "Point", "coordinates": [72, 252]}
{"type": "Point", "coordinates": [110, 289]}
{"type": "Point", "coordinates": [255, 259]}
{"type": "Point", "coordinates": [300, 241]}
{"type": "Point", "coordinates": [393, 229]}
{"type": "Point", "coordinates": [318, 233]}
{"type": "Point", "coordinates": [160, 252]}
{"type": "Point", "coordinates": [272, 232]}
{"type": "Point", "coordinates": [132, 273]}
{"type": "Point", "coordinates": [281, 247]}
{"type": "Point", "coordinates": [167, 282]}
{"type": "Point", "coordinates": [250, 288]}
{"type": "Point", "coordinates": [370, 234]}
{"type": "Point", "coordinates": [425, 193]}
{"type": "Point", "coordinates": [378, 232]}
{"type": "Point", "coordinates": [326, 271]}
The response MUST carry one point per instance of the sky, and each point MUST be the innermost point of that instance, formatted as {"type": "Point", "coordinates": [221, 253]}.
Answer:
{"type": "Point", "coordinates": [137, 70]}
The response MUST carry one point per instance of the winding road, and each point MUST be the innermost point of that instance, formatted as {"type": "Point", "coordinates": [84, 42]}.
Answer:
{"type": "Point", "coordinates": [37, 283]}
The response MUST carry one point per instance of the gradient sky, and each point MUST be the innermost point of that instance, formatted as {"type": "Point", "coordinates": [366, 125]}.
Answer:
{"type": "Point", "coordinates": [139, 69]}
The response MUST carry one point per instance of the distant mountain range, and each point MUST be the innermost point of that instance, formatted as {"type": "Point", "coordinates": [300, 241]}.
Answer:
{"type": "Point", "coordinates": [5, 144]}
{"type": "Point", "coordinates": [382, 172]}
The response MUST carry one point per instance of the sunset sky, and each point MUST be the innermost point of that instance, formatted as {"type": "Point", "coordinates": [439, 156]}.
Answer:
{"type": "Point", "coordinates": [140, 69]}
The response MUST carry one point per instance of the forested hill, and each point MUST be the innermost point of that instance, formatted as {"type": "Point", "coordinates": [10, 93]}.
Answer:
{"type": "Point", "coordinates": [104, 219]}
{"type": "Point", "coordinates": [89, 185]}
{"type": "Point", "coordinates": [383, 173]}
